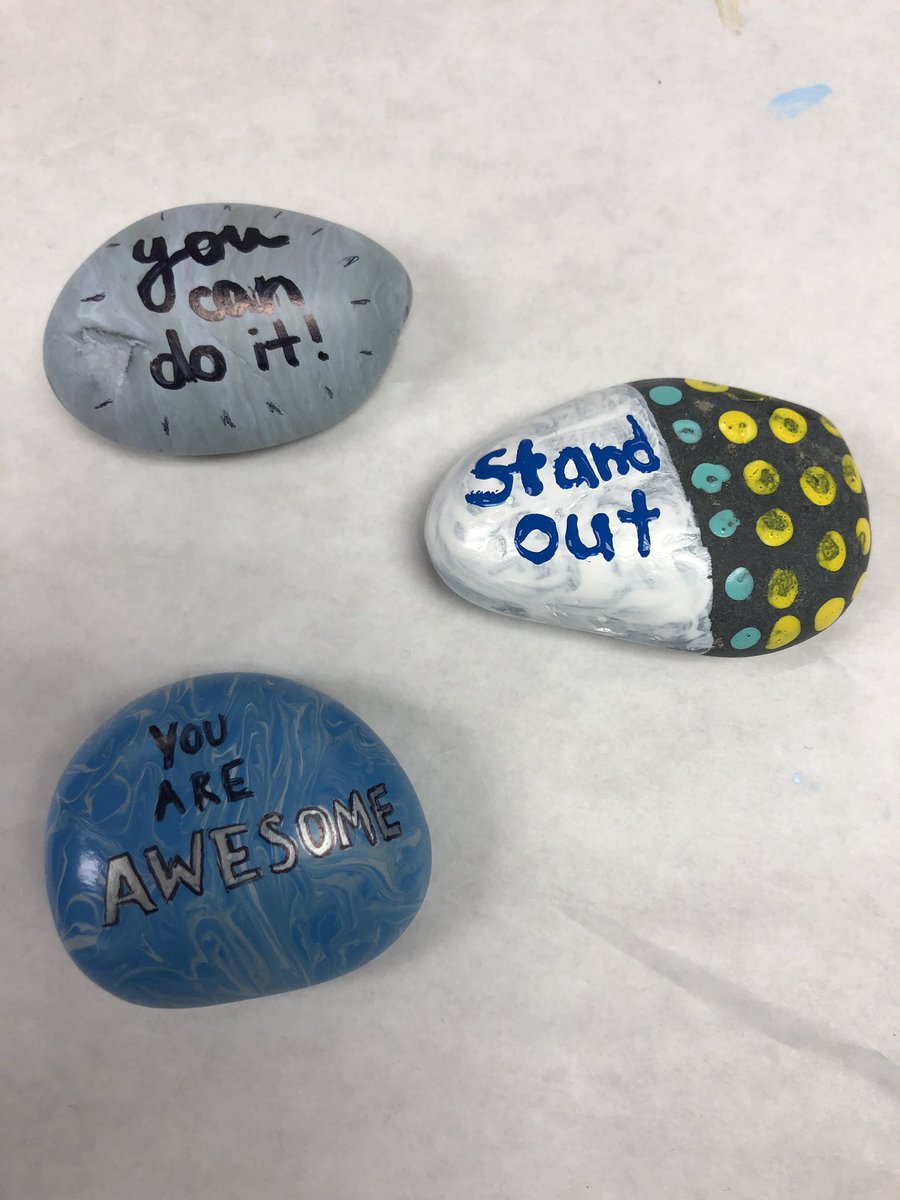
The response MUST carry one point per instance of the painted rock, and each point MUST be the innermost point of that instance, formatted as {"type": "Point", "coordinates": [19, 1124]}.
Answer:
{"type": "Point", "coordinates": [232, 836]}
{"type": "Point", "coordinates": [215, 328]}
{"type": "Point", "coordinates": [671, 511]}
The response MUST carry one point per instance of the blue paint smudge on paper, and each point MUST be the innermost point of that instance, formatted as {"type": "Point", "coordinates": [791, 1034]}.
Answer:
{"type": "Point", "coordinates": [799, 100]}
{"type": "Point", "coordinates": [804, 781]}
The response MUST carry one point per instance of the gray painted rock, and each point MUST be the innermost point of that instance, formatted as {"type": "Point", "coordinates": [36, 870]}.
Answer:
{"type": "Point", "coordinates": [215, 328]}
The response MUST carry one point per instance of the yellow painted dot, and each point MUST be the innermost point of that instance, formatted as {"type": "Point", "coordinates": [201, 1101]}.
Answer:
{"type": "Point", "coordinates": [830, 426]}
{"type": "Point", "coordinates": [700, 385]}
{"type": "Point", "coordinates": [832, 551]}
{"type": "Point", "coordinates": [788, 425]}
{"type": "Point", "coordinates": [829, 613]}
{"type": "Point", "coordinates": [761, 477]}
{"type": "Point", "coordinates": [738, 426]}
{"type": "Point", "coordinates": [859, 583]}
{"type": "Point", "coordinates": [775, 527]}
{"type": "Point", "coordinates": [783, 632]}
{"type": "Point", "coordinates": [851, 474]}
{"type": "Point", "coordinates": [864, 535]}
{"type": "Point", "coordinates": [818, 485]}
{"type": "Point", "coordinates": [783, 588]}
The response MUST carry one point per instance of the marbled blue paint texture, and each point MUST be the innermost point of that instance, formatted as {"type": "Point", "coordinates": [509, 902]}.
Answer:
{"type": "Point", "coordinates": [264, 903]}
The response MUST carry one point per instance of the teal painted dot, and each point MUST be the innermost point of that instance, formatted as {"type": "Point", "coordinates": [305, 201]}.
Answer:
{"type": "Point", "coordinates": [724, 523]}
{"type": "Point", "coordinates": [709, 477]}
{"type": "Point", "coordinates": [688, 431]}
{"type": "Point", "coordinates": [665, 395]}
{"type": "Point", "coordinates": [745, 638]}
{"type": "Point", "coordinates": [739, 584]}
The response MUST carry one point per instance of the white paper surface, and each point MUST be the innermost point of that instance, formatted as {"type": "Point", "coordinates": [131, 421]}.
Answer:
{"type": "Point", "coordinates": [659, 953]}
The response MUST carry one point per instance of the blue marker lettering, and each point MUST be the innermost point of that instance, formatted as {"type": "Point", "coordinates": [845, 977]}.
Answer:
{"type": "Point", "coordinates": [528, 463]}
{"type": "Point", "coordinates": [536, 523]}
{"type": "Point", "coordinates": [601, 531]}
{"type": "Point", "coordinates": [584, 472]}
{"type": "Point", "coordinates": [640, 517]}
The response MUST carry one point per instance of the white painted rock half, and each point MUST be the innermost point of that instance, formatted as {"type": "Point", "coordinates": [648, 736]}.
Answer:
{"type": "Point", "coordinates": [674, 512]}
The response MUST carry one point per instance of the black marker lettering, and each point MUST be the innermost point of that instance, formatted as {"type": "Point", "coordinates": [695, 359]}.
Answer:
{"type": "Point", "coordinates": [166, 743]}
{"type": "Point", "coordinates": [354, 816]}
{"type": "Point", "coordinates": [284, 341]}
{"type": "Point", "coordinates": [381, 812]}
{"type": "Point", "coordinates": [167, 796]}
{"type": "Point", "coordinates": [191, 739]}
{"type": "Point", "coordinates": [186, 370]}
{"type": "Point", "coordinates": [203, 794]}
{"type": "Point", "coordinates": [230, 856]}
{"type": "Point", "coordinates": [171, 873]}
{"type": "Point", "coordinates": [321, 844]}
{"type": "Point", "coordinates": [223, 731]}
{"type": "Point", "coordinates": [270, 831]}
{"type": "Point", "coordinates": [124, 886]}
{"type": "Point", "coordinates": [234, 787]}
{"type": "Point", "coordinates": [203, 247]}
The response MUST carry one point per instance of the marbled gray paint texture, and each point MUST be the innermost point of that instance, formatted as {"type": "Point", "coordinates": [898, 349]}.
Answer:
{"type": "Point", "coordinates": [216, 328]}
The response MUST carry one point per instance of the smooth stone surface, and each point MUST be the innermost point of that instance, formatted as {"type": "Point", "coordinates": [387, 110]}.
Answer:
{"type": "Point", "coordinates": [232, 836]}
{"type": "Point", "coordinates": [215, 328]}
{"type": "Point", "coordinates": [673, 512]}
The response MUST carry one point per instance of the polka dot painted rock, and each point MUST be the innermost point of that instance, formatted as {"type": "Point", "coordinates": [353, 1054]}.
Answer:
{"type": "Point", "coordinates": [231, 836]}
{"type": "Point", "coordinates": [216, 328]}
{"type": "Point", "coordinates": [673, 512]}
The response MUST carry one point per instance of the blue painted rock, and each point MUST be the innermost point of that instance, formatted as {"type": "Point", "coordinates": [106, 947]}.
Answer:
{"type": "Point", "coordinates": [215, 328]}
{"type": "Point", "coordinates": [232, 836]}
{"type": "Point", "coordinates": [673, 512]}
